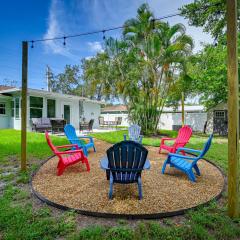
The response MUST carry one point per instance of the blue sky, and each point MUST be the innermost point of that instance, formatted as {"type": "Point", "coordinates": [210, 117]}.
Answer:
{"type": "Point", "coordinates": [29, 20]}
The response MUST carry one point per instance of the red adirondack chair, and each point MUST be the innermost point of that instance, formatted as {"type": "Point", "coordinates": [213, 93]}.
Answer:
{"type": "Point", "coordinates": [67, 158]}
{"type": "Point", "coordinates": [182, 139]}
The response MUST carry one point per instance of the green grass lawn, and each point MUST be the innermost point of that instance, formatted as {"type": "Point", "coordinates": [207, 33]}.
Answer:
{"type": "Point", "coordinates": [10, 144]}
{"type": "Point", "coordinates": [19, 219]}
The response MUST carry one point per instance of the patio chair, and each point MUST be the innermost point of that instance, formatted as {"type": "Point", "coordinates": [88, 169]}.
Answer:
{"type": "Point", "coordinates": [124, 164]}
{"type": "Point", "coordinates": [70, 132]}
{"type": "Point", "coordinates": [41, 124]}
{"type": "Point", "coordinates": [86, 126]}
{"type": "Point", "coordinates": [102, 123]}
{"type": "Point", "coordinates": [67, 158]}
{"type": "Point", "coordinates": [181, 140]}
{"type": "Point", "coordinates": [187, 163]}
{"type": "Point", "coordinates": [134, 133]}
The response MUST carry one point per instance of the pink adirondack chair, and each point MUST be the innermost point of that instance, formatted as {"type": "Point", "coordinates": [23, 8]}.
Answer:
{"type": "Point", "coordinates": [67, 158]}
{"type": "Point", "coordinates": [182, 139]}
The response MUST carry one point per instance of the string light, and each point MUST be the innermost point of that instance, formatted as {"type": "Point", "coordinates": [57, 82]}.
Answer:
{"type": "Point", "coordinates": [107, 30]}
{"type": "Point", "coordinates": [153, 23]}
{"type": "Point", "coordinates": [104, 37]}
{"type": "Point", "coordinates": [64, 41]}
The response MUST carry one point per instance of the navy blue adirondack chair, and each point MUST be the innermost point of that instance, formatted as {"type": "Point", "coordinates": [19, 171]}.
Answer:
{"type": "Point", "coordinates": [134, 133]}
{"type": "Point", "coordinates": [70, 132]}
{"type": "Point", "coordinates": [187, 163]}
{"type": "Point", "coordinates": [124, 163]}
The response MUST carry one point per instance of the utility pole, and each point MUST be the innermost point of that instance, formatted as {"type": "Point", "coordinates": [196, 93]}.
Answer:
{"type": "Point", "coordinates": [24, 106]}
{"type": "Point", "coordinates": [47, 78]}
{"type": "Point", "coordinates": [183, 111]}
{"type": "Point", "coordinates": [233, 110]}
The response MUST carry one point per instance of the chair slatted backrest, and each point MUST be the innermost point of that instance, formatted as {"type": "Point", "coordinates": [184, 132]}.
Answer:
{"type": "Point", "coordinates": [101, 120]}
{"type": "Point", "coordinates": [90, 124]}
{"type": "Point", "coordinates": [206, 147]}
{"type": "Point", "coordinates": [134, 132]}
{"type": "Point", "coordinates": [70, 132]}
{"type": "Point", "coordinates": [50, 144]}
{"type": "Point", "coordinates": [183, 137]}
{"type": "Point", "coordinates": [126, 160]}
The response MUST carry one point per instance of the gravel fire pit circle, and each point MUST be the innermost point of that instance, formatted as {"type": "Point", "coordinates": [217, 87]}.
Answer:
{"type": "Point", "coordinates": [163, 194]}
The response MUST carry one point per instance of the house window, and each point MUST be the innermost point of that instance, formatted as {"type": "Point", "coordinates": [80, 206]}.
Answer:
{"type": "Point", "coordinates": [51, 108]}
{"type": "Point", "coordinates": [36, 107]}
{"type": "Point", "coordinates": [17, 106]}
{"type": "Point", "coordinates": [2, 108]}
{"type": "Point", "coordinates": [219, 114]}
{"type": "Point", "coordinates": [12, 108]}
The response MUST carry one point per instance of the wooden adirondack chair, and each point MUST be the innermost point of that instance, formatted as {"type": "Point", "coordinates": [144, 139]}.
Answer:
{"type": "Point", "coordinates": [74, 156]}
{"type": "Point", "coordinates": [134, 133]}
{"type": "Point", "coordinates": [70, 132]}
{"type": "Point", "coordinates": [182, 139]}
{"type": "Point", "coordinates": [125, 162]}
{"type": "Point", "coordinates": [187, 163]}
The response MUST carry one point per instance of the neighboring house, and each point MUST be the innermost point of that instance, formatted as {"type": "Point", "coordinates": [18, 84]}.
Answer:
{"type": "Point", "coordinates": [46, 104]}
{"type": "Point", "coordinates": [217, 119]}
{"type": "Point", "coordinates": [195, 116]}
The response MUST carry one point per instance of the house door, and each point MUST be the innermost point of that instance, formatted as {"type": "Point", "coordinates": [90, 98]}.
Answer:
{"type": "Point", "coordinates": [67, 113]}
{"type": "Point", "coordinates": [220, 122]}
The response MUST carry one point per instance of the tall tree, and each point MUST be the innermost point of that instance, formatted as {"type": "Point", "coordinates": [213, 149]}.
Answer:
{"type": "Point", "coordinates": [96, 76]}
{"type": "Point", "coordinates": [148, 60]}
{"type": "Point", "coordinates": [141, 67]}
{"type": "Point", "coordinates": [67, 81]}
{"type": "Point", "coordinates": [209, 14]}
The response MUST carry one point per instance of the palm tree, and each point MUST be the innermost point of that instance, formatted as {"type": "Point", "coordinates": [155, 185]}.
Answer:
{"type": "Point", "coordinates": [161, 51]}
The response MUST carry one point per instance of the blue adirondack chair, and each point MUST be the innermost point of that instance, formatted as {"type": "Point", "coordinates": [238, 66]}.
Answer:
{"type": "Point", "coordinates": [187, 163]}
{"type": "Point", "coordinates": [70, 132]}
{"type": "Point", "coordinates": [124, 163]}
{"type": "Point", "coordinates": [134, 133]}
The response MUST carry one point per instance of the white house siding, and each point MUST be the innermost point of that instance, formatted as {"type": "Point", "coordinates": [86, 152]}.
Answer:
{"type": "Point", "coordinates": [92, 111]}
{"type": "Point", "coordinates": [195, 119]}
{"type": "Point", "coordinates": [5, 118]}
{"type": "Point", "coordinates": [113, 116]}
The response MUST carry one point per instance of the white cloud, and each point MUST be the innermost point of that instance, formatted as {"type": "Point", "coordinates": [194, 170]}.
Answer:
{"type": "Point", "coordinates": [55, 30]}
{"type": "Point", "coordinates": [95, 46]}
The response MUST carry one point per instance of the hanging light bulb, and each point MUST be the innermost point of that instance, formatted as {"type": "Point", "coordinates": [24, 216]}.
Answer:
{"type": "Point", "coordinates": [153, 23]}
{"type": "Point", "coordinates": [215, 43]}
{"type": "Point", "coordinates": [64, 41]}
{"type": "Point", "coordinates": [104, 37]}
{"type": "Point", "coordinates": [32, 46]}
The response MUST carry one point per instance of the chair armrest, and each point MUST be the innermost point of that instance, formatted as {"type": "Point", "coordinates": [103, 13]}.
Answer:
{"type": "Point", "coordinates": [147, 165]}
{"type": "Point", "coordinates": [88, 137]}
{"type": "Point", "coordinates": [181, 156]}
{"type": "Point", "coordinates": [125, 137]}
{"type": "Point", "coordinates": [140, 138]}
{"type": "Point", "coordinates": [104, 163]}
{"type": "Point", "coordinates": [68, 146]}
{"type": "Point", "coordinates": [188, 150]}
{"type": "Point", "coordinates": [166, 139]}
{"type": "Point", "coordinates": [70, 152]}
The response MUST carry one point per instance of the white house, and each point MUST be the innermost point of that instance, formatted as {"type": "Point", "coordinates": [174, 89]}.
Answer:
{"type": "Point", "coordinates": [171, 119]}
{"type": "Point", "coordinates": [46, 104]}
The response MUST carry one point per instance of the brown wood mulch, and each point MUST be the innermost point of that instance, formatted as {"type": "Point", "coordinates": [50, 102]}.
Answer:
{"type": "Point", "coordinates": [88, 191]}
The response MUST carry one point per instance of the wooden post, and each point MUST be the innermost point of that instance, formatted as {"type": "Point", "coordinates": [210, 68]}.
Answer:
{"type": "Point", "coordinates": [24, 106]}
{"type": "Point", "coordinates": [233, 110]}
{"type": "Point", "coordinates": [183, 112]}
